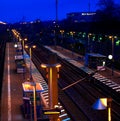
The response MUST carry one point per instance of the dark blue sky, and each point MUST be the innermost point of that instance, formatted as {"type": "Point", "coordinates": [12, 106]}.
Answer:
{"type": "Point", "coordinates": [28, 10]}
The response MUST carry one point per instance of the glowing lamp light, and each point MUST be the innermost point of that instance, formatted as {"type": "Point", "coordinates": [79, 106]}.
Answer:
{"type": "Point", "coordinates": [25, 39]}
{"type": "Point", "coordinates": [26, 46]}
{"type": "Point", "coordinates": [103, 103]}
{"type": "Point", "coordinates": [103, 63]}
{"type": "Point", "coordinates": [58, 65]}
{"type": "Point", "coordinates": [43, 65]}
{"type": "Point", "coordinates": [100, 104]}
{"type": "Point", "coordinates": [110, 57]}
{"type": "Point", "coordinates": [15, 45]}
{"type": "Point", "coordinates": [51, 65]}
{"type": "Point", "coordinates": [34, 46]}
{"type": "Point", "coordinates": [51, 113]}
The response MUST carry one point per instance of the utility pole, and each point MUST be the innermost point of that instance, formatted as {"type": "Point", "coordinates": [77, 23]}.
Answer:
{"type": "Point", "coordinates": [56, 11]}
{"type": "Point", "coordinates": [89, 6]}
{"type": "Point", "coordinates": [56, 23]}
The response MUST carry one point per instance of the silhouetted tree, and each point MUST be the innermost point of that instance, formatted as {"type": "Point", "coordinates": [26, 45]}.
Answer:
{"type": "Point", "coordinates": [107, 17]}
{"type": "Point", "coordinates": [108, 11]}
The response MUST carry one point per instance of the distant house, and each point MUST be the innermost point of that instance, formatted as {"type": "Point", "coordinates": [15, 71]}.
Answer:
{"type": "Point", "coordinates": [81, 16]}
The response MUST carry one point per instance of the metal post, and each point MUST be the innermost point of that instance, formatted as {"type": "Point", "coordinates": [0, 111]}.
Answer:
{"type": "Point", "coordinates": [34, 97]}
{"type": "Point", "coordinates": [56, 11]}
{"type": "Point", "coordinates": [30, 51]}
{"type": "Point", "coordinates": [23, 59]}
{"type": "Point", "coordinates": [52, 84]}
{"type": "Point", "coordinates": [56, 26]}
{"type": "Point", "coordinates": [23, 47]}
{"type": "Point", "coordinates": [30, 111]}
{"type": "Point", "coordinates": [88, 45]}
{"type": "Point", "coordinates": [109, 100]}
{"type": "Point", "coordinates": [113, 56]}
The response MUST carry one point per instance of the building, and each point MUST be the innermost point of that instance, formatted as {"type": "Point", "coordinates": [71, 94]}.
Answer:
{"type": "Point", "coordinates": [81, 16]}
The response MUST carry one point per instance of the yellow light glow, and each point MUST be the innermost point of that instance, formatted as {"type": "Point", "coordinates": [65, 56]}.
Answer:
{"type": "Point", "coordinates": [109, 114]}
{"type": "Point", "coordinates": [62, 31]}
{"type": "Point", "coordinates": [58, 65]}
{"type": "Point", "coordinates": [89, 34]}
{"type": "Point", "coordinates": [43, 66]}
{"type": "Point", "coordinates": [25, 39]}
{"type": "Point", "coordinates": [34, 46]}
{"type": "Point", "coordinates": [110, 37]}
{"type": "Point", "coordinates": [51, 113]}
{"type": "Point", "coordinates": [26, 46]}
{"type": "Point", "coordinates": [27, 87]}
{"type": "Point", "coordinates": [104, 101]}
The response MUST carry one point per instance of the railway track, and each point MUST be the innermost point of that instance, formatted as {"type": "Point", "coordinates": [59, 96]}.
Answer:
{"type": "Point", "coordinates": [78, 99]}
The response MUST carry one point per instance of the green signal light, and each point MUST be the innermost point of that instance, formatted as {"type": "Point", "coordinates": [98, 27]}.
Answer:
{"type": "Point", "coordinates": [100, 38]}
{"type": "Point", "coordinates": [83, 35]}
{"type": "Point", "coordinates": [93, 38]}
{"type": "Point", "coordinates": [118, 43]}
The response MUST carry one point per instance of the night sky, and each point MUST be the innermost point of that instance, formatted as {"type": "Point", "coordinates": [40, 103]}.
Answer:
{"type": "Point", "coordinates": [28, 10]}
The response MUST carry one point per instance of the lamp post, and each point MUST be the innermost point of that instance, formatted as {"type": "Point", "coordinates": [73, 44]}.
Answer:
{"type": "Point", "coordinates": [102, 104]}
{"type": "Point", "coordinates": [23, 44]}
{"type": "Point", "coordinates": [88, 44]}
{"type": "Point", "coordinates": [56, 11]}
{"type": "Point", "coordinates": [112, 38]}
{"type": "Point", "coordinates": [53, 69]}
{"type": "Point", "coordinates": [30, 53]}
{"type": "Point", "coordinates": [72, 35]}
{"type": "Point", "coordinates": [62, 32]}
{"type": "Point", "coordinates": [111, 58]}
{"type": "Point", "coordinates": [33, 85]}
{"type": "Point", "coordinates": [34, 97]}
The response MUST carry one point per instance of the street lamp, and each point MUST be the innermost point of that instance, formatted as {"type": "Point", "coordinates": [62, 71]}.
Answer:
{"type": "Point", "coordinates": [112, 56]}
{"type": "Point", "coordinates": [34, 87]}
{"type": "Point", "coordinates": [62, 32]}
{"type": "Point", "coordinates": [15, 45]}
{"type": "Point", "coordinates": [23, 44]}
{"type": "Point", "coordinates": [72, 35]}
{"type": "Point", "coordinates": [52, 77]}
{"type": "Point", "coordinates": [30, 53]}
{"type": "Point", "coordinates": [102, 104]}
{"type": "Point", "coordinates": [52, 69]}
{"type": "Point", "coordinates": [88, 44]}
{"type": "Point", "coordinates": [34, 97]}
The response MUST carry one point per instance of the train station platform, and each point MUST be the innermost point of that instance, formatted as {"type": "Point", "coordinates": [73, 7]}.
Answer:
{"type": "Point", "coordinates": [11, 98]}
{"type": "Point", "coordinates": [105, 77]}
{"type": "Point", "coordinates": [12, 92]}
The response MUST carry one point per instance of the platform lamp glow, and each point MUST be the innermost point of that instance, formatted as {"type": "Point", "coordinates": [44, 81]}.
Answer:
{"type": "Point", "coordinates": [112, 39]}
{"type": "Point", "coordinates": [110, 57]}
{"type": "Point", "coordinates": [33, 85]}
{"type": "Point", "coordinates": [52, 70]}
{"type": "Point", "coordinates": [102, 104]}
{"type": "Point", "coordinates": [34, 97]}
{"type": "Point", "coordinates": [15, 45]}
{"type": "Point", "coordinates": [23, 44]}
{"type": "Point", "coordinates": [62, 35]}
